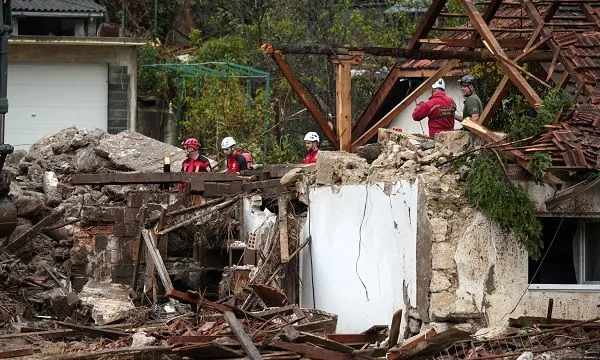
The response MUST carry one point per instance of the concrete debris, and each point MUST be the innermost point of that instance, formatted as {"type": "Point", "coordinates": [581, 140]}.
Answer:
{"type": "Point", "coordinates": [340, 168]}
{"type": "Point", "coordinates": [109, 301]}
{"type": "Point", "coordinates": [140, 339]}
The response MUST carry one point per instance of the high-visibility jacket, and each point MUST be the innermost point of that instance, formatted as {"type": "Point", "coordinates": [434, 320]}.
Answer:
{"type": "Point", "coordinates": [311, 157]}
{"type": "Point", "coordinates": [236, 162]}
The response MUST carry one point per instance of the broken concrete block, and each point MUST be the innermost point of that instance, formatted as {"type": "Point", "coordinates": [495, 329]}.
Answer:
{"type": "Point", "coordinates": [50, 185]}
{"type": "Point", "coordinates": [133, 151]}
{"type": "Point", "coordinates": [29, 203]}
{"type": "Point", "coordinates": [441, 305]}
{"type": "Point", "coordinates": [87, 161]}
{"type": "Point", "coordinates": [370, 152]}
{"type": "Point", "coordinates": [337, 168]}
{"type": "Point", "coordinates": [453, 142]}
{"type": "Point", "coordinates": [440, 229]}
{"type": "Point", "coordinates": [109, 301]}
{"type": "Point", "coordinates": [141, 339]}
{"type": "Point", "coordinates": [410, 165]}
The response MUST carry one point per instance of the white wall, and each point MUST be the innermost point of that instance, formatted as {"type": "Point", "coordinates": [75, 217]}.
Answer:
{"type": "Point", "coordinates": [405, 120]}
{"type": "Point", "coordinates": [360, 235]}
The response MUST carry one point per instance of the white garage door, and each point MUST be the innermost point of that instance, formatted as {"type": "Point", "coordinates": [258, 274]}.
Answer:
{"type": "Point", "coordinates": [45, 98]}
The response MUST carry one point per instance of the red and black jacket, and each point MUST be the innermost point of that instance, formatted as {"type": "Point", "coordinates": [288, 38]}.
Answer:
{"type": "Point", "coordinates": [201, 164]}
{"type": "Point", "coordinates": [236, 163]}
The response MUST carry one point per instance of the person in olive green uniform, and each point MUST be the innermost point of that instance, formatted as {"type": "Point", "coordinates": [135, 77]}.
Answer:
{"type": "Point", "coordinates": [472, 106]}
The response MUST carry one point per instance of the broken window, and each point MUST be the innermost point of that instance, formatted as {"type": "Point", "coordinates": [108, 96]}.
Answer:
{"type": "Point", "coordinates": [572, 253]}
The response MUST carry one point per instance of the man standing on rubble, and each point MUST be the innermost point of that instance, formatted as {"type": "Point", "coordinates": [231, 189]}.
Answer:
{"type": "Point", "coordinates": [473, 106]}
{"type": "Point", "coordinates": [194, 161]}
{"type": "Point", "coordinates": [439, 109]}
{"type": "Point", "coordinates": [236, 162]}
{"type": "Point", "coordinates": [311, 141]}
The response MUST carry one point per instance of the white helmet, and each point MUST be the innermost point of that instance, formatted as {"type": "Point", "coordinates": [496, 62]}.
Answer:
{"type": "Point", "coordinates": [311, 136]}
{"type": "Point", "coordinates": [227, 142]}
{"type": "Point", "coordinates": [440, 84]}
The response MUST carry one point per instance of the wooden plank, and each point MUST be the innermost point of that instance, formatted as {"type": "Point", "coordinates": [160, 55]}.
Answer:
{"type": "Point", "coordinates": [282, 204]}
{"type": "Point", "coordinates": [495, 101]}
{"type": "Point", "coordinates": [405, 103]}
{"type": "Point", "coordinates": [483, 30]}
{"type": "Point", "coordinates": [312, 352]}
{"type": "Point", "coordinates": [94, 330]}
{"type": "Point", "coordinates": [325, 343]}
{"type": "Point", "coordinates": [302, 94]}
{"type": "Point", "coordinates": [150, 239]}
{"type": "Point", "coordinates": [16, 353]}
{"type": "Point", "coordinates": [211, 350]}
{"type": "Point", "coordinates": [19, 243]}
{"type": "Point", "coordinates": [242, 336]}
{"type": "Point", "coordinates": [356, 338]}
{"type": "Point", "coordinates": [436, 344]}
{"type": "Point", "coordinates": [283, 310]}
{"type": "Point", "coordinates": [410, 343]}
{"type": "Point", "coordinates": [376, 102]}
{"type": "Point", "coordinates": [395, 328]}
{"type": "Point", "coordinates": [343, 104]}
{"type": "Point", "coordinates": [426, 24]}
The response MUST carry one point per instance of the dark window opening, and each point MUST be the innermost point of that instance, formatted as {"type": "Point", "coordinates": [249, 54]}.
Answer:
{"type": "Point", "coordinates": [558, 266]}
{"type": "Point", "coordinates": [46, 26]}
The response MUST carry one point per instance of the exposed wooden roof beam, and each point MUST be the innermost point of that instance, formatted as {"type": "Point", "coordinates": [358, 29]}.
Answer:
{"type": "Point", "coordinates": [426, 24]}
{"type": "Point", "coordinates": [475, 43]}
{"type": "Point", "coordinates": [517, 79]}
{"type": "Point", "coordinates": [495, 101]}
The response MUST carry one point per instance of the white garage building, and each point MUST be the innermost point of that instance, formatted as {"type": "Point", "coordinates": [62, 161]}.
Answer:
{"type": "Point", "coordinates": [78, 78]}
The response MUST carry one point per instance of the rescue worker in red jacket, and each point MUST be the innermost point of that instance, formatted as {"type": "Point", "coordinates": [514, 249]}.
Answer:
{"type": "Point", "coordinates": [311, 141]}
{"type": "Point", "coordinates": [439, 109]}
{"type": "Point", "coordinates": [194, 161]}
{"type": "Point", "coordinates": [236, 162]}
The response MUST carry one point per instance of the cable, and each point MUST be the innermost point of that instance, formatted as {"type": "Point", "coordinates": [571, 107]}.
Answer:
{"type": "Point", "coordinates": [538, 268]}
{"type": "Point", "coordinates": [360, 241]}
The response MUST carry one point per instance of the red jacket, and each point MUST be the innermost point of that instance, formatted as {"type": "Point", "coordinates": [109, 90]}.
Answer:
{"type": "Point", "coordinates": [201, 164]}
{"type": "Point", "coordinates": [236, 162]}
{"type": "Point", "coordinates": [311, 157]}
{"type": "Point", "coordinates": [440, 110]}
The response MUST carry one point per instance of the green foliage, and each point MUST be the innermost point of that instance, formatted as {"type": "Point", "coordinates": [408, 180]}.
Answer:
{"type": "Point", "coordinates": [539, 164]}
{"type": "Point", "coordinates": [229, 48]}
{"type": "Point", "coordinates": [487, 189]}
{"type": "Point", "coordinates": [552, 103]}
{"type": "Point", "coordinates": [150, 81]}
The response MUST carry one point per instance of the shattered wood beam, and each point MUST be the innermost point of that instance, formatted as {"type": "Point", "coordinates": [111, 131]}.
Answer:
{"type": "Point", "coordinates": [95, 330]}
{"type": "Point", "coordinates": [302, 93]}
{"type": "Point", "coordinates": [163, 274]}
{"type": "Point", "coordinates": [282, 203]}
{"type": "Point", "coordinates": [537, 20]}
{"type": "Point", "coordinates": [376, 102]}
{"type": "Point", "coordinates": [475, 43]}
{"type": "Point", "coordinates": [238, 330]}
{"type": "Point", "coordinates": [19, 243]}
{"type": "Point", "coordinates": [427, 54]}
{"type": "Point", "coordinates": [106, 353]}
{"type": "Point", "coordinates": [405, 103]}
{"type": "Point", "coordinates": [312, 352]}
{"type": "Point", "coordinates": [426, 24]}
{"type": "Point", "coordinates": [528, 49]}
{"type": "Point", "coordinates": [477, 20]}
{"type": "Point", "coordinates": [495, 101]}
{"type": "Point", "coordinates": [519, 157]}
{"type": "Point", "coordinates": [16, 353]}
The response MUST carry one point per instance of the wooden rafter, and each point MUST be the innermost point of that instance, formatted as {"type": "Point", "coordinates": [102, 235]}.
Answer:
{"type": "Point", "coordinates": [303, 95]}
{"type": "Point", "coordinates": [494, 101]}
{"type": "Point", "coordinates": [430, 17]}
{"type": "Point", "coordinates": [591, 15]}
{"type": "Point", "coordinates": [376, 102]}
{"type": "Point", "coordinates": [390, 116]}
{"type": "Point", "coordinates": [514, 75]}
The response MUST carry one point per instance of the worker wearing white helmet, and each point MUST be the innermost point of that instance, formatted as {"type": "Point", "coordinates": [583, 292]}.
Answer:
{"type": "Point", "coordinates": [311, 141]}
{"type": "Point", "coordinates": [439, 109]}
{"type": "Point", "coordinates": [236, 162]}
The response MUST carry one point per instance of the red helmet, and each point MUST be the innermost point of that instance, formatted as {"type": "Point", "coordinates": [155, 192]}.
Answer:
{"type": "Point", "coordinates": [191, 142]}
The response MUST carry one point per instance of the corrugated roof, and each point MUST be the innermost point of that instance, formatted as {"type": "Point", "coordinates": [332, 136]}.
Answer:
{"type": "Point", "coordinates": [88, 6]}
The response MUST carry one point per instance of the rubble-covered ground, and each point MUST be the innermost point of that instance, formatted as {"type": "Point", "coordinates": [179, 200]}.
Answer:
{"type": "Point", "coordinates": [44, 315]}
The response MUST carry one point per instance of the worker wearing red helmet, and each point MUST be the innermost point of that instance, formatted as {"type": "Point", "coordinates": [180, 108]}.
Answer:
{"type": "Point", "coordinates": [194, 161]}
{"type": "Point", "coordinates": [439, 109]}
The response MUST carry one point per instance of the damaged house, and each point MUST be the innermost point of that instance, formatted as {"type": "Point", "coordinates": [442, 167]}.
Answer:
{"type": "Point", "coordinates": [404, 237]}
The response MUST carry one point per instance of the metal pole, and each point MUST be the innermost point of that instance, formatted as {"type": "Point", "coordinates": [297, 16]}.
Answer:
{"type": "Point", "coordinates": [5, 31]}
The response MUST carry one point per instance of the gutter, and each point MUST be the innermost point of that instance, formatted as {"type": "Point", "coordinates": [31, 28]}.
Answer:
{"type": "Point", "coordinates": [77, 14]}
